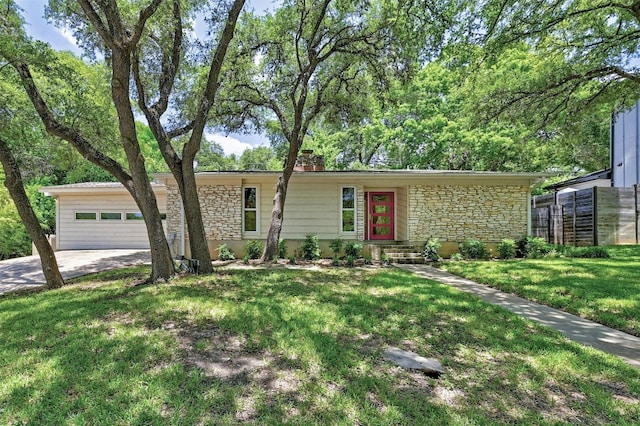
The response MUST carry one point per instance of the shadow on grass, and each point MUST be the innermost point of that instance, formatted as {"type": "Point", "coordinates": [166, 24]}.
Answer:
{"type": "Point", "coordinates": [115, 354]}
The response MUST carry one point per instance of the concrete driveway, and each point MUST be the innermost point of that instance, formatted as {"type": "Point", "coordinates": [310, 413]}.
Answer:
{"type": "Point", "coordinates": [26, 272]}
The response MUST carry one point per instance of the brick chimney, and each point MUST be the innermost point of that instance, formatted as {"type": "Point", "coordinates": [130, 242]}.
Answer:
{"type": "Point", "coordinates": [309, 162]}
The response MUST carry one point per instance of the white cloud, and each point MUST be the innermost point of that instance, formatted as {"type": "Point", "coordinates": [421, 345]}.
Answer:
{"type": "Point", "coordinates": [229, 145]}
{"type": "Point", "coordinates": [66, 34]}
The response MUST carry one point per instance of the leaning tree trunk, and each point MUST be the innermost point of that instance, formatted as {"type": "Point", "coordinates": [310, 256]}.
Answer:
{"type": "Point", "coordinates": [193, 216]}
{"type": "Point", "coordinates": [13, 182]}
{"type": "Point", "coordinates": [161, 261]}
{"type": "Point", "coordinates": [277, 212]}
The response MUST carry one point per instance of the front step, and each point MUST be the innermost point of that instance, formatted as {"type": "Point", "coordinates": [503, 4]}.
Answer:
{"type": "Point", "coordinates": [405, 254]}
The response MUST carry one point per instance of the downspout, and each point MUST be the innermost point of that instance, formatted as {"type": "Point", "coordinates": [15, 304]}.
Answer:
{"type": "Point", "coordinates": [57, 234]}
{"type": "Point", "coordinates": [529, 211]}
{"type": "Point", "coordinates": [181, 228]}
{"type": "Point", "coordinates": [612, 148]}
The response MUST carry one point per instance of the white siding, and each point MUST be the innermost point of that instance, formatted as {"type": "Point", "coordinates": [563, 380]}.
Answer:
{"type": "Point", "coordinates": [311, 208]}
{"type": "Point", "coordinates": [100, 234]}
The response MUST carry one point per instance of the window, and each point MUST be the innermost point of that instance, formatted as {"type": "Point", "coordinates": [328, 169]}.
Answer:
{"type": "Point", "coordinates": [348, 209]}
{"type": "Point", "coordinates": [133, 216]}
{"type": "Point", "coordinates": [110, 216]}
{"type": "Point", "coordinates": [86, 216]}
{"type": "Point", "coordinates": [250, 209]}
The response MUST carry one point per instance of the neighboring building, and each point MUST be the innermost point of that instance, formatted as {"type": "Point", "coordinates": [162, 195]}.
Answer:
{"type": "Point", "coordinates": [601, 178]}
{"type": "Point", "coordinates": [99, 215]}
{"type": "Point", "coordinates": [625, 148]}
{"type": "Point", "coordinates": [388, 207]}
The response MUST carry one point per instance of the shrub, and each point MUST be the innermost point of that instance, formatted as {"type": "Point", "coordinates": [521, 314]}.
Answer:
{"type": "Point", "coordinates": [282, 248]}
{"type": "Point", "coordinates": [254, 249]}
{"type": "Point", "coordinates": [353, 249]}
{"type": "Point", "coordinates": [311, 247]}
{"type": "Point", "coordinates": [292, 260]}
{"type": "Point", "coordinates": [384, 259]}
{"type": "Point", "coordinates": [431, 250]}
{"type": "Point", "coordinates": [507, 249]}
{"type": "Point", "coordinates": [14, 239]}
{"type": "Point", "coordinates": [350, 260]}
{"type": "Point", "coordinates": [335, 261]}
{"type": "Point", "coordinates": [335, 245]}
{"type": "Point", "coordinates": [473, 249]}
{"type": "Point", "coordinates": [455, 257]}
{"type": "Point", "coordinates": [245, 259]}
{"type": "Point", "coordinates": [225, 253]}
{"type": "Point", "coordinates": [532, 247]}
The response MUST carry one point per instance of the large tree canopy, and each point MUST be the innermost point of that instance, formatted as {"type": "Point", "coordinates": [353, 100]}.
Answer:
{"type": "Point", "coordinates": [589, 49]}
{"type": "Point", "coordinates": [299, 63]}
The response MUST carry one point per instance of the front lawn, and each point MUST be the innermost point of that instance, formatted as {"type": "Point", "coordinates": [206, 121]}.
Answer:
{"type": "Point", "coordinates": [299, 346]}
{"type": "Point", "coordinates": [603, 290]}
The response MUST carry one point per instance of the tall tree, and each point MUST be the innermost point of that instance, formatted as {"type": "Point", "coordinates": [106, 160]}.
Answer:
{"type": "Point", "coordinates": [593, 45]}
{"type": "Point", "coordinates": [298, 63]}
{"type": "Point", "coordinates": [13, 182]}
{"type": "Point", "coordinates": [18, 50]}
{"type": "Point", "coordinates": [153, 53]}
{"type": "Point", "coordinates": [15, 123]}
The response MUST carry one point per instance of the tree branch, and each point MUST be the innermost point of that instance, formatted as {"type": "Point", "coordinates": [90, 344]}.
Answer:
{"type": "Point", "coordinates": [97, 22]}
{"type": "Point", "coordinates": [55, 128]}
{"type": "Point", "coordinates": [193, 145]}
{"type": "Point", "coordinates": [144, 15]}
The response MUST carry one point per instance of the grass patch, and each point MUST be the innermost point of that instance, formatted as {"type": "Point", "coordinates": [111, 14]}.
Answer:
{"type": "Point", "coordinates": [300, 346]}
{"type": "Point", "coordinates": [603, 290]}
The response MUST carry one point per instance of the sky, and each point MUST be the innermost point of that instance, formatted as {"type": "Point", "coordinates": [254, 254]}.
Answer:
{"type": "Point", "coordinates": [62, 39]}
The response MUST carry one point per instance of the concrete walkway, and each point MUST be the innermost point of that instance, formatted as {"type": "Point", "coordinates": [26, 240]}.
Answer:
{"type": "Point", "coordinates": [575, 328]}
{"type": "Point", "coordinates": [26, 272]}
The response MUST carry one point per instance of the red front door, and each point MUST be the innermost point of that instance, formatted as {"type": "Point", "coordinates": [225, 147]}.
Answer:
{"type": "Point", "coordinates": [380, 216]}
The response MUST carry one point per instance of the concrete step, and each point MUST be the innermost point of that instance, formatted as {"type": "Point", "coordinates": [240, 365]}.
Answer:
{"type": "Point", "coordinates": [401, 247]}
{"type": "Point", "coordinates": [405, 257]}
{"type": "Point", "coordinates": [400, 250]}
{"type": "Point", "coordinates": [407, 260]}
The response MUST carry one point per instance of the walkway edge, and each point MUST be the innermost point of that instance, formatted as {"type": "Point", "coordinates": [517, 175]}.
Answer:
{"type": "Point", "coordinates": [573, 327]}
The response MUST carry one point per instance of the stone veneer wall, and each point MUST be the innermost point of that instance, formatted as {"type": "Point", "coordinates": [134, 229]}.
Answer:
{"type": "Point", "coordinates": [454, 213]}
{"type": "Point", "coordinates": [221, 211]}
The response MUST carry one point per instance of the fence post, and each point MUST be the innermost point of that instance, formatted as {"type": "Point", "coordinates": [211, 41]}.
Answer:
{"type": "Point", "coordinates": [549, 216]}
{"type": "Point", "coordinates": [594, 214]}
{"type": "Point", "coordinates": [635, 206]}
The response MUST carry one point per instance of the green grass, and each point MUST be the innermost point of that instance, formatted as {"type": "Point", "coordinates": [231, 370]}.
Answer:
{"type": "Point", "coordinates": [603, 290]}
{"type": "Point", "coordinates": [292, 346]}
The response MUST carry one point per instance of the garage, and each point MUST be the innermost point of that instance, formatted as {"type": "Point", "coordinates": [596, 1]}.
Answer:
{"type": "Point", "coordinates": [100, 215]}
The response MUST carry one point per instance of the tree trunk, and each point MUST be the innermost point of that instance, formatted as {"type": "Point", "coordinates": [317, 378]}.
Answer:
{"type": "Point", "coordinates": [277, 213]}
{"type": "Point", "coordinates": [273, 236]}
{"type": "Point", "coordinates": [14, 184]}
{"type": "Point", "coordinates": [161, 261]}
{"type": "Point", "coordinates": [193, 216]}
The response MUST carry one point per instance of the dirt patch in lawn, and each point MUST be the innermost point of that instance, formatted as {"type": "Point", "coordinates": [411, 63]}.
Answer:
{"type": "Point", "coordinates": [222, 355]}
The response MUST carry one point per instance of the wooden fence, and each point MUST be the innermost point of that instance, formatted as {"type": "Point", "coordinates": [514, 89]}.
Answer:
{"type": "Point", "coordinates": [593, 216]}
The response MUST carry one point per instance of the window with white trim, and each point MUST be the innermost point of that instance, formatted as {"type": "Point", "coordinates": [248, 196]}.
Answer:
{"type": "Point", "coordinates": [86, 216]}
{"type": "Point", "coordinates": [348, 209]}
{"type": "Point", "coordinates": [133, 216]}
{"type": "Point", "coordinates": [110, 216]}
{"type": "Point", "coordinates": [250, 209]}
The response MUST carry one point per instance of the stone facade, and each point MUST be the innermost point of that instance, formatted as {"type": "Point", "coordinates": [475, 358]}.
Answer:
{"type": "Point", "coordinates": [221, 211]}
{"type": "Point", "coordinates": [454, 213]}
